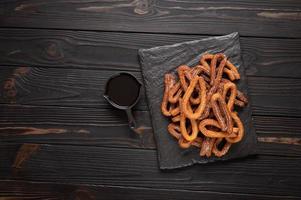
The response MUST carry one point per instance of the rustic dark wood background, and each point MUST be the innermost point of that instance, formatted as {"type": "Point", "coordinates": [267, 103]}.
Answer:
{"type": "Point", "coordinates": [59, 139]}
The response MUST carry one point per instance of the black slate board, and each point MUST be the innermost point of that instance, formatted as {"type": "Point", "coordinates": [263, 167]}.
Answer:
{"type": "Point", "coordinates": [157, 61]}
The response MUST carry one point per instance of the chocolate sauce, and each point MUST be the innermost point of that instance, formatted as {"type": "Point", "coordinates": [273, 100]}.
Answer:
{"type": "Point", "coordinates": [123, 89]}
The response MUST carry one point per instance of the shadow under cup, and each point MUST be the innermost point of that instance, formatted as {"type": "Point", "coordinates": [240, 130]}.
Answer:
{"type": "Point", "coordinates": [123, 92]}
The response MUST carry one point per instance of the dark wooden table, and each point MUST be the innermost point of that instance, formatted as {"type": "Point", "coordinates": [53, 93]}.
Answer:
{"type": "Point", "coordinates": [59, 139]}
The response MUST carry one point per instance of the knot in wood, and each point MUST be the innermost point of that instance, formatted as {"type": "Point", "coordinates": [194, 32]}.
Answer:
{"type": "Point", "coordinates": [53, 51]}
{"type": "Point", "coordinates": [142, 7]}
{"type": "Point", "coordinates": [9, 84]}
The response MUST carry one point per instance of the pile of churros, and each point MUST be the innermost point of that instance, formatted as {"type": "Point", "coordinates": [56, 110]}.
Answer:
{"type": "Point", "coordinates": [201, 105]}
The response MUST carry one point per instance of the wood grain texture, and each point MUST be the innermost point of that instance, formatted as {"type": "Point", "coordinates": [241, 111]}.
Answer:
{"type": "Point", "coordinates": [14, 190]}
{"type": "Point", "coordinates": [261, 175]}
{"type": "Point", "coordinates": [276, 19]}
{"type": "Point", "coordinates": [24, 153]}
{"type": "Point", "coordinates": [118, 51]}
{"type": "Point", "coordinates": [120, 136]}
{"type": "Point", "coordinates": [79, 126]}
{"type": "Point", "coordinates": [277, 96]}
{"type": "Point", "coordinates": [281, 126]}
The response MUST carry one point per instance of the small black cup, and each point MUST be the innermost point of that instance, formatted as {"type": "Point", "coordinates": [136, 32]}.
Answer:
{"type": "Point", "coordinates": [123, 92]}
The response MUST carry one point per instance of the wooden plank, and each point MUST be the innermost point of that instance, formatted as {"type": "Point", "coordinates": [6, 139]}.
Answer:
{"type": "Point", "coordinates": [280, 126]}
{"type": "Point", "coordinates": [104, 127]}
{"type": "Point", "coordinates": [26, 114]}
{"type": "Point", "coordinates": [275, 96]}
{"type": "Point", "coordinates": [276, 148]}
{"type": "Point", "coordinates": [85, 88]}
{"type": "Point", "coordinates": [270, 19]}
{"type": "Point", "coordinates": [113, 136]}
{"type": "Point", "coordinates": [69, 125]}
{"type": "Point", "coordinates": [263, 174]}
{"type": "Point", "coordinates": [40, 190]}
{"type": "Point", "coordinates": [118, 51]}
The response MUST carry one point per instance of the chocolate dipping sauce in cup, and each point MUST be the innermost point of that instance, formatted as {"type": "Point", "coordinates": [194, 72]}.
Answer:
{"type": "Point", "coordinates": [123, 91]}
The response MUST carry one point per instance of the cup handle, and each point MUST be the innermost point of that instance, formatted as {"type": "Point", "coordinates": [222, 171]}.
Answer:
{"type": "Point", "coordinates": [132, 122]}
